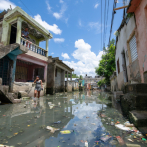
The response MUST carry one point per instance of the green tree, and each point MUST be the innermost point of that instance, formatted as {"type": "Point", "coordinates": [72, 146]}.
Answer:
{"type": "Point", "coordinates": [81, 77]}
{"type": "Point", "coordinates": [101, 82]}
{"type": "Point", "coordinates": [107, 63]}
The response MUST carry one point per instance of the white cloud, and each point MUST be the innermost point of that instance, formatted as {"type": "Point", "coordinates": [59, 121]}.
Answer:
{"type": "Point", "coordinates": [65, 56]}
{"type": "Point", "coordinates": [5, 4]}
{"type": "Point", "coordinates": [52, 53]}
{"type": "Point", "coordinates": [59, 40]}
{"type": "Point", "coordinates": [60, 14]}
{"type": "Point", "coordinates": [87, 60]}
{"type": "Point", "coordinates": [48, 6]}
{"type": "Point", "coordinates": [61, 1]}
{"type": "Point", "coordinates": [80, 23]}
{"type": "Point", "coordinates": [96, 26]}
{"type": "Point", "coordinates": [53, 28]}
{"type": "Point", "coordinates": [96, 5]}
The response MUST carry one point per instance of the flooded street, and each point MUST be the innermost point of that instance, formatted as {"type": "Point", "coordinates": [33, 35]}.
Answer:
{"type": "Point", "coordinates": [88, 116]}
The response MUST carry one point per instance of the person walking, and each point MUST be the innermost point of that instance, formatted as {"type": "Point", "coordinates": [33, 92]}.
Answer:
{"type": "Point", "coordinates": [38, 87]}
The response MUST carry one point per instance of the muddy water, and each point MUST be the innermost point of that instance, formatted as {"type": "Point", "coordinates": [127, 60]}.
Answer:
{"type": "Point", "coordinates": [88, 115]}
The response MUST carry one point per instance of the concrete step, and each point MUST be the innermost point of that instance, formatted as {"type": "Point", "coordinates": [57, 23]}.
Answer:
{"type": "Point", "coordinates": [4, 98]}
{"type": "Point", "coordinates": [16, 101]}
{"type": "Point", "coordinates": [136, 88]}
{"type": "Point", "coordinates": [4, 89]}
{"type": "Point", "coordinates": [132, 101]}
{"type": "Point", "coordinates": [143, 130]}
{"type": "Point", "coordinates": [138, 118]}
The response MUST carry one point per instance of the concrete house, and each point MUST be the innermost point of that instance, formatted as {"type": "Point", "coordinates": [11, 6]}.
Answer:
{"type": "Point", "coordinates": [30, 60]}
{"type": "Point", "coordinates": [126, 54]}
{"type": "Point", "coordinates": [139, 8]}
{"type": "Point", "coordinates": [56, 76]}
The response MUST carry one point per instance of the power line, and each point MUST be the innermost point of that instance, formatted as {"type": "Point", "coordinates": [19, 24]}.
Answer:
{"type": "Point", "coordinates": [27, 8]}
{"type": "Point", "coordinates": [107, 18]}
{"type": "Point", "coordinates": [113, 12]}
{"type": "Point", "coordinates": [101, 22]}
{"type": "Point", "coordinates": [104, 25]}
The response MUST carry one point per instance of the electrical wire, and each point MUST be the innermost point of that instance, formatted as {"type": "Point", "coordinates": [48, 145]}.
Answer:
{"type": "Point", "coordinates": [114, 6]}
{"type": "Point", "coordinates": [101, 22]}
{"type": "Point", "coordinates": [27, 8]}
{"type": "Point", "coordinates": [104, 26]}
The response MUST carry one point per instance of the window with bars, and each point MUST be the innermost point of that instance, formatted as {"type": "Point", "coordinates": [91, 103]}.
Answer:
{"type": "Point", "coordinates": [133, 48]}
{"type": "Point", "coordinates": [118, 68]}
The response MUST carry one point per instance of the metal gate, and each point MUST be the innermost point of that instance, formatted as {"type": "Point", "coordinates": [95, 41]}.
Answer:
{"type": "Point", "coordinates": [133, 48]}
{"type": "Point", "coordinates": [5, 70]}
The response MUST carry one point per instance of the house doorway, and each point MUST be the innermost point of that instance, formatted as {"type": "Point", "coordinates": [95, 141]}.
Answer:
{"type": "Point", "coordinates": [13, 34]}
{"type": "Point", "coordinates": [124, 67]}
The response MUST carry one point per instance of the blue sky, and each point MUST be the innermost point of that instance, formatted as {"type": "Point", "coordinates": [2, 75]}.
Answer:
{"type": "Point", "coordinates": [75, 26]}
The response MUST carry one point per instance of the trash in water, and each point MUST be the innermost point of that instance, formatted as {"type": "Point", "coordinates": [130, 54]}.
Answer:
{"type": "Point", "coordinates": [49, 103]}
{"type": "Point", "coordinates": [127, 124]}
{"type": "Point", "coordinates": [71, 100]}
{"type": "Point", "coordinates": [122, 127]}
{"type": "Point", "coordinates": [93, 123]}
{"type": "Point", "coordinates": [143, 139]}
{"type": "Point", "coordinates": [113, 142]}
{"type": "Point", "coordinates": [52, 129]}
{"type": "Point", "coordinates": [133, 145]}
{"type": "Point", "coordinates": [120, 140]}
{"type": "Point", "coordinates": [58, 122]}
{"type": "Point", "coordinates": [86, 144]}
{"type": "Point", "coordinates": [105, 138]}
{"type": "Point", "coordinates": [131, 140]}
{"type": "Point", "coordinates": [66, 132]}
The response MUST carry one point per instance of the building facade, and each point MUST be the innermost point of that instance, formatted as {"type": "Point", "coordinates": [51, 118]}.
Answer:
{"type": "Point", "coordinates": [139, 8]}
{"type": "Point", "coordinates": [56, 76]}
{"type": "Point", "coordinates": [33, 62]}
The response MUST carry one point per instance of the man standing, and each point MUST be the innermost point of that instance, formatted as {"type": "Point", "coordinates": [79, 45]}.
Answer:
{"type": "Point", "coordinates": [25, 34]}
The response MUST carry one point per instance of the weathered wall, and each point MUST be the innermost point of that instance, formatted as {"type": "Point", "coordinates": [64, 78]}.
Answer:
{"type": "Point", "coordinates": [75, 86]}
{"type": "Point", "coordinates": [121, 47]}
{"type": "Point", "coordinates": [27, 87]}
{"type": "Point", "coordinates": [50, 79]}
{"type": "Point", "coordinates": [141, 33]}
{"type": "Point", "coordinates": [0, 32]}
{"type": "Point", "coordinates": [68, 86]}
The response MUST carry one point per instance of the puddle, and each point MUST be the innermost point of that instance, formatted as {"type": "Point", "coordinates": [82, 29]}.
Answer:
{"type": "Point", "coordinates": [88, 116]}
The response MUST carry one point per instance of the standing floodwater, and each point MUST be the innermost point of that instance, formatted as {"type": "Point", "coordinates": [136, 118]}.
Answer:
{"type": "Point", "coordinates": [89, 118]}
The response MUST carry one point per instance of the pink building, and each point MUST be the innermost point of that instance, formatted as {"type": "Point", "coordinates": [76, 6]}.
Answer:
{"type": "Point", "coordinates": [139, 8]}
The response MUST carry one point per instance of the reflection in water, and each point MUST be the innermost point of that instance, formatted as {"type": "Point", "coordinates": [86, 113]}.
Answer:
{"type": "Point", "coordinates": [81, 113]}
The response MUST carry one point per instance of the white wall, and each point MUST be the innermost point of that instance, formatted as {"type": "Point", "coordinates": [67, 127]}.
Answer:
{"type": "Point", "coordinates": [121, 45]}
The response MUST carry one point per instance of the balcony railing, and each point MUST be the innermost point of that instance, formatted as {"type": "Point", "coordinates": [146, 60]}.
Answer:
{"type": "Point", "coordinates": [33, 47]}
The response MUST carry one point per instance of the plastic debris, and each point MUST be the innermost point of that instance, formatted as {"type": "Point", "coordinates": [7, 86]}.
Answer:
{"type": "Point", "coordinates": [65, 132]}
{"type": "Point", "coordinates": [133, 145]}
{"type": "Point", "coordinates": [58, 122]}
{"type": "Point", "coordinates": [122, 127]}
{"type": "Point", "coordinates": [113, 142]}
{"type": "Point", "coordinates": [143, 139]}
{"type": "Point", "coordinates": [131, 140]}
{"type": "Point", "coordinates": [120, 140]}
{"type": "Point", "coordinates": [86, 144]}
{"type": "Point", "coordinates": [105, 138]}
{"type": "Point", "coordinates": [52, 129]}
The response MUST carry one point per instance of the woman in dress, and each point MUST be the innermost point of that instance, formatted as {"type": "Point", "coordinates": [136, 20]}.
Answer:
{"type": "Point", "coordinates": [38, 87]}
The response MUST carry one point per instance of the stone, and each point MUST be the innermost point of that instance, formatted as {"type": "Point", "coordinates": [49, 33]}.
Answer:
{"type": "Point", "coordinates": [0, 81]}
{"type": "Point", "coordinates": [23, 93]}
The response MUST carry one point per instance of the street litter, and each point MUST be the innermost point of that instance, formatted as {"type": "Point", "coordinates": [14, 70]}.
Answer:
{"type": "Point", "coordinates": [131, 140]}
{"type": "Point", "coordinates": [106, 138]}
{"type": "Point", "coordinates": [122, 127]}
{"type": "Point", "coordinates": [113, 142]}
{"type": "Point", "coordinates": [120, 140]}
{"type": "Point", "coordinates": [58, 122]}
{"type": "Point", "coordinates": [66, 131]}
{"type": "Point", "coordinates": [52, 129]}
{"type": "Point", "coordinates": [133, 145]}
{"type": "Point", "coordinates": [127, 124]}
{"type": "Point", "coordinates": [86, 144]}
